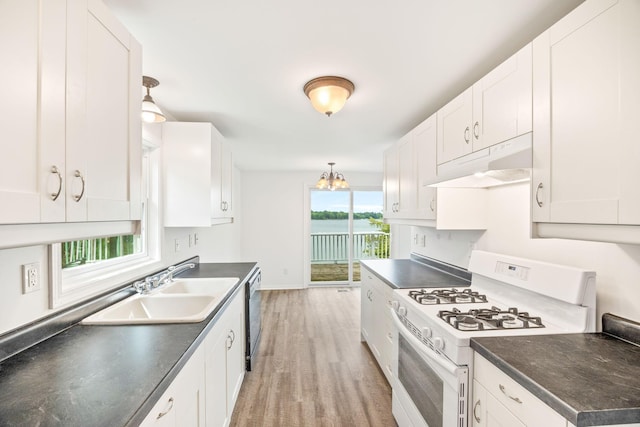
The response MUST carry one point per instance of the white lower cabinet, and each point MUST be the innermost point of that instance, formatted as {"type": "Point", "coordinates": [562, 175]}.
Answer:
{"type": "Point", "coordinates": [206, 389]}
{"type": "Point", "coordinates": [224, 364]}
{"type": "Point", "coordinates": [183, 402]}
{"type": "Point", "coordinates": [376, 322]}
{"type": "Point", "coordinates": [499, 401]}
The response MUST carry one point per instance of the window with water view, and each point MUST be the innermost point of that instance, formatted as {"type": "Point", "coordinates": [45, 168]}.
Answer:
{"type": "Point", "coordinates": [346, 226]}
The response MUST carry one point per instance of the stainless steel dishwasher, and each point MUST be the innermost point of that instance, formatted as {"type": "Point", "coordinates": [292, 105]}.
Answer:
{"type": "Point", "coordinates": [252, 317]}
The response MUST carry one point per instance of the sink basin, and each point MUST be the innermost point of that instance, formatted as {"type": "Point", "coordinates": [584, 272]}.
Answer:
{"type": "Point", "coordinates": [213, 286]}
{"type": "Point", "coordinates": [144, 309]}
{"type": "Point", "coordinates": [182, 301]}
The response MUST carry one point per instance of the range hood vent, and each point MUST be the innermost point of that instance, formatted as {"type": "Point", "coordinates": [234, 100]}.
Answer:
{"type": "Point", "coordinates": [505, 163]}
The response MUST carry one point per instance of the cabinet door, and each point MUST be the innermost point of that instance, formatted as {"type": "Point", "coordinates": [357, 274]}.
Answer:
{"type": "Point", "coordinates": [391, 182]}
{"type": "Point", "coordinates": [408, 190]}
{"type": "Point", "coordinates": [226, 187]}
{"type": "Point", "coordinates": [32, 40]}
{"type": "Point", "coordinates": [586, 75]}
{"type": "Point", "coordinates": [186, 165]}
{"type": "Point", "coordinates": [454, 128]}
{"type": "Point", "coordinates": [366, 312]}
{"type": "Point", "coordinates": [221, 177]}
{"type": "Point", "coordinates": [182, 404]}
{"type": "Point", "coordinates": [424, 140]}
{"type": "Point", "coordinates": [235, 351]}
{"type": "Point", "coordinates": [216, 375]}
{"type": "Point", "coordinates": [502, 101]}
{"type": "Point", "coordinates": [103, 152]}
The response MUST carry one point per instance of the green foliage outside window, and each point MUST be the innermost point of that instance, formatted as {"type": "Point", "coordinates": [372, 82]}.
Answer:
{"type": "Point", "coordinates": [82, 252]}
{"type": "Point", "coordinates": [378, 245]}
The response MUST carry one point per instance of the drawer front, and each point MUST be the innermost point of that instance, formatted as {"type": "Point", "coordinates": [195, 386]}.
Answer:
{"type": "Point", "coordinates": [520, 402]}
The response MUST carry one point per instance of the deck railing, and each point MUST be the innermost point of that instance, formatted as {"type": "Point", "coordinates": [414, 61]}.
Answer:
{"type": "Point", "coordinates": [332, 247]}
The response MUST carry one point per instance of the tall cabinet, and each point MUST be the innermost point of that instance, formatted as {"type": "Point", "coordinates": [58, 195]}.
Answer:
{"type": "Point", "coordinates": [72, 145]}
{"type": "Point", "coordinates": [586, 74]}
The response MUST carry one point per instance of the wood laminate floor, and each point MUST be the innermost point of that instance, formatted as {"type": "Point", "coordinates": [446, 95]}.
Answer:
{"type": "Point", "coordinates": [312, 370]}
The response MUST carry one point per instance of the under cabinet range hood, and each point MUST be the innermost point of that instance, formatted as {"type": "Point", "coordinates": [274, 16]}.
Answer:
{"type": "Point", "coordinates": [504, 163]}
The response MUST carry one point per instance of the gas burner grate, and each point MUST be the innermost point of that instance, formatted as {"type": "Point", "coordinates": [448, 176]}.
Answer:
{"type": "Point", "coordinates": [446, 296]}
{"type": "Point", "coordinates": [489, 318]}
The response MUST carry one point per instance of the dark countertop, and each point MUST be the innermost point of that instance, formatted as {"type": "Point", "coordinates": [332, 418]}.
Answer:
{"type": "Point", "coordinates": [418, 273]}
{"type": "Point", "coordinates": [590, 379]}
{"type": "Point", "coordinates": [103, 375]}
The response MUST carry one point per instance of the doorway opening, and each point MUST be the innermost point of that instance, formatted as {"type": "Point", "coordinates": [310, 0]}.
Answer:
{"type": "Point", "coordinates": [345, 227]}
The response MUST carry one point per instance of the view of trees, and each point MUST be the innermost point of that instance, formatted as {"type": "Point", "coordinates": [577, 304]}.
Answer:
{"type": "Point", "coordinates": [344, 215]}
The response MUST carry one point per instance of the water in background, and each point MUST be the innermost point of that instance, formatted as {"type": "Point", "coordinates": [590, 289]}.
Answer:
{"type": "Point", "coordinates": [340, 225]}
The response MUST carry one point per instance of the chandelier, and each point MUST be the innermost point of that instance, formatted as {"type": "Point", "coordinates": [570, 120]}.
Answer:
{"type": "Point", "coordinates": [331, 180]}
{"type": "Point", "coordinates": [328, 94]}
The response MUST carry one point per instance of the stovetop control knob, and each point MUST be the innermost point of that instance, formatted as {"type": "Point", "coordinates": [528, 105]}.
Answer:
{"type": "Point", "coordinates": [438, 343]}
{"type": "Point", "coordinates": [402, 311]}
{"type": "Point", "coordinates": [426, 332]}
{"type": "Point", "coordinates": [395, 305]}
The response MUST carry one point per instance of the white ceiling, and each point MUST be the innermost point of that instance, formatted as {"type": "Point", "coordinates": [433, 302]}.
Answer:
{"type": "Point", "coordinates": [241, 64]}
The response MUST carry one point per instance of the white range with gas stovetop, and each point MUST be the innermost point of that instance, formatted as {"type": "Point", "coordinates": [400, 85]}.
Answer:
{"type": "Point", "coordinates": [432, 359]}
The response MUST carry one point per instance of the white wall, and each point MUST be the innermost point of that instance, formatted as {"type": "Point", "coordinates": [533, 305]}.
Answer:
{"type": "Point", "coordinates": [274, 214]}
{"type": "Point", "coordinates": [617, 266]}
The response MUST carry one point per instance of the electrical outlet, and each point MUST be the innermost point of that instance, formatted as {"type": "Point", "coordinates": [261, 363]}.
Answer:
{"type": "Point", "coordinates": [30, 277]}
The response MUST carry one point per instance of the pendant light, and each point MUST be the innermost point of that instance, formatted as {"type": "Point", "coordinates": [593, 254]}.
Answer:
{"type": "Point", "coordinates": [331, 180]}
{"type": "Point", "coordinates": [328, 94]}
{"type": "Point", "coordinates": [151, 113]}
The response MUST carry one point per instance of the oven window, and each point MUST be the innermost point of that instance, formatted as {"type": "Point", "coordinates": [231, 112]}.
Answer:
{"type": "Point", "coordinates": [423, 385]}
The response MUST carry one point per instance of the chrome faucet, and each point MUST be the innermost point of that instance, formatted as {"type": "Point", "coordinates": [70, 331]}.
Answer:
{"type": "Point", "coordinates": [151, 282]}
{"type": "Point", "coordinates": [167, 276]}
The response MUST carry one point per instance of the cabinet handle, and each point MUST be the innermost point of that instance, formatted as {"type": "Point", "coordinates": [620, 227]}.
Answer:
{"type": "Point", "coordinates": [476, 130]}
{"type": "Point", "coordinates": [78, 174]}
{"type": "Point", "coordinates": [466, 135]}
{"type": "Point", "coordinates": [475, 415]}
{"type": "Point", "coordinates": [54, 170]}
{"type": "Point", "coordinates": [432, 205]}
{"type": "Point", "coordinates": [515, 399]}
{"type": "Point", "coordinates": [162, 414]}
{"type": "Point", "coordinates": [538, 201]}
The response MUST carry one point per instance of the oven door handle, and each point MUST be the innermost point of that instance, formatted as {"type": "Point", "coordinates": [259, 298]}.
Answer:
{"type": "Point", "coordinates": [422, 348]}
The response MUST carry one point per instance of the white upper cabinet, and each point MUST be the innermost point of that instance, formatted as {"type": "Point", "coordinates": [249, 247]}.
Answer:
{"type": "Point", "coordinates": [221, 180]}
{"type": "Point", "coordinates": [19, 145]}
{"type": "Point", "coordinates": [495, 109]}
{"type": "Point", "coordinates": [197, 175]}
{"type": "Point", "coordinates": [72, 145]}
{"type": "Point", "coordinates": [391, 183]}
{"type": "Point", "coordinates": [424, 140]}
{"type": "Point", "coordinates": [454, 127]}
{"type": "Point", "coordinates": [586, 74]}
{"type": "Point", "coordinates": [502, 102]}
{"type": "Point", "coordinates": [400, 187]}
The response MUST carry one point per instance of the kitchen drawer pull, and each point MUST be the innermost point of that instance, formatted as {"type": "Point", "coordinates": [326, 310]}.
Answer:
{"type": "Point", "coordinates": [538, 201]}
{"type": "Point", "coordinates": [503, 390]}
{"type": "Point", "coordinates": [54, 170]}
{"type": "Point", "coordinates": [78, 174]}
{"type": "Point", "coordinates": [475, 415]}
{"type": "Point", "coordinates": [162, 414]}
{"type": "Point", "coordinates": [466, 135]}
{"type": "Point", "coordinates": [476, 130]}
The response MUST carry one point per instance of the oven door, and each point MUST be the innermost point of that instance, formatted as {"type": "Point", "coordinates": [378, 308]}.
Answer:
{"type": "Point", "coordinates": [428, 390]}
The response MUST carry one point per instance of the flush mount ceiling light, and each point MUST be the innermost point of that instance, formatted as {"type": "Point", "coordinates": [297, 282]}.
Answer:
{"type": "Point", "coordinates": [151, 113]}
{"type": "Point", "coordinates": [328, 94]}
{"type": "Point", "coordinates": [331, 180]}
